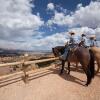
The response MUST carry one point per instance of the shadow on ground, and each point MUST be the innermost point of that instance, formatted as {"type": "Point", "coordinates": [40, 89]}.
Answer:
{"type": "Point", "coordinates": [50, 70]}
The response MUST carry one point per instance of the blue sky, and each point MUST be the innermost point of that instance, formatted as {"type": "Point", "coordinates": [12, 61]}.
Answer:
{"type": "Point", "coordinates": [43, 24]}
{"type": "Point", "coordinates": [68, 5]}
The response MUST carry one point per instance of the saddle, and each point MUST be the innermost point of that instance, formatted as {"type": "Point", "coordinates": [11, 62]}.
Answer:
{"type": "Point", "coordinates": [81, 44]}
{"type": "Point", "coordinates": [72, 49]}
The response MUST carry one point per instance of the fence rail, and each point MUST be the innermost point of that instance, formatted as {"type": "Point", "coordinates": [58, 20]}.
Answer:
{"type": "Point", "coordinates": [25, 63]}
{"type": "Point", "coordinates": [28, 62]}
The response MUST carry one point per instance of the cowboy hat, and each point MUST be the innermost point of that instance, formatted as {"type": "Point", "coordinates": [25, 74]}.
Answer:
{"type": "Point", "coordinates": [71, 33]}
{"type": "Point", "coordinates": [92, 37]}
{"type": "Point", "coordinates": [83, 35]}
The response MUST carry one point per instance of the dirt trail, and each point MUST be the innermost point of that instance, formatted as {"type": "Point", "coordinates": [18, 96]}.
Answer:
{"type": "Point", "coordinates": [48, 85]}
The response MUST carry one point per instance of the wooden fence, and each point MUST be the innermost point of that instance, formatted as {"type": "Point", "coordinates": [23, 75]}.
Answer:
{"type": "Point", "coordinates": [25, 65]}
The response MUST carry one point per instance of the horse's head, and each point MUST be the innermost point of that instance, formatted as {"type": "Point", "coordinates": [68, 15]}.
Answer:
{"type": "Point", "coordinates": [54, 52]}
{"type": "Point", "coordinates": [58, 50]}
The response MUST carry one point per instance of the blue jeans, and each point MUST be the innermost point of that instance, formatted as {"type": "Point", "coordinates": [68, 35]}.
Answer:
{"type": "Point", "coordinates": [64, 56]}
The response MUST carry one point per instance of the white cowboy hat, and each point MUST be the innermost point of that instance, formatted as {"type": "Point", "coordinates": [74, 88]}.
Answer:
{"type": "Point", "coordinates": [92, 37]}
{"type": "Point", "coordinates": [83, 34]}
{"type": "Point", "coordinates": [71, 33]}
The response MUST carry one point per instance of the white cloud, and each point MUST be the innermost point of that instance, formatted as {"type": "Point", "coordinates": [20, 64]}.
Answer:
{"type": "Point", "coordinates": [16, 19]}
{"type": "Point", "coordinates": [17, 23]}
{"type": "Point", "coordinates": [61, 19]}
{"type": "Point", "coordinates": [50, 41]}
{"type": "Point", "coordinates": [97, 31]}
{"type": "Point", "coordinates": [88, 16]}
{"type": "Point", "coordinates": [50, 6]}
{"type": "Point", "coordinates": [15, 45]}
{"type": "Point", "coordinates": [83, 30]}
{"type": "Point", "coordinates": [45, 43]}
{"type": "Point", "coordinates": [79, 5]}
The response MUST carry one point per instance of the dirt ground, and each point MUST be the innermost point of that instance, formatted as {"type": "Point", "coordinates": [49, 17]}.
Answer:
{"type": "Point", "coordinates": [47, 84]}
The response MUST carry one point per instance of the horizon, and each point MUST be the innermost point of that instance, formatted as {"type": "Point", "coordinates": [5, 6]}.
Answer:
{"type": "Point", "coordinates": [24, 50]}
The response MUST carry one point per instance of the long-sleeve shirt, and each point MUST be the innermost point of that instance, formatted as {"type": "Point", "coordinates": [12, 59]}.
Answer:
{"type": "Point", "coordinates": [85, 41]}
{"type": "Point", "coordinates": [72, 40]}
{"type": "Point", "coordinates": [93, 43]}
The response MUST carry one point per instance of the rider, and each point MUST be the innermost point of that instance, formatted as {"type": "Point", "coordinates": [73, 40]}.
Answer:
{"type": "Point", "coordinates": [93, 41]}
{"type": "Point", "coordinates": [70, 45]}
{"type": "Point", "coordinates": [96, 44]}
{"type": "Point", "coordinates": [84, 41]}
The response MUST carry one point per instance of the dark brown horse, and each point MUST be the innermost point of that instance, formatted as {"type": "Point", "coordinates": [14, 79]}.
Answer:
{"type": "Point", "coordinates": [78, 54]}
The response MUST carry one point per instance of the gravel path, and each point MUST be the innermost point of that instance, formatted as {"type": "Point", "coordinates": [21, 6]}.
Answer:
{"type": "Point", "coordinates": [48, 85]}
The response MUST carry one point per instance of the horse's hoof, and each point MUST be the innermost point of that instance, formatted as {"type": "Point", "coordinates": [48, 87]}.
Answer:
{"type": "Point", "coordinates": [60, 73]}
{"type": "Point", "coordinates": [86, 84]}
{"type": "Point", "coordinates": [68, 73]}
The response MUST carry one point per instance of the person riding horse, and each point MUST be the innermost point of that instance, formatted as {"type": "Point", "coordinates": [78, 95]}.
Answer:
{"type": "Point", "coordinates": [84, 41]}
{"type": "Point", "coordinates": [78, 54]}
{"type": "Point", "coordinates": [71, 44]}
{"type": "Point", "coordinates": [93, 41]}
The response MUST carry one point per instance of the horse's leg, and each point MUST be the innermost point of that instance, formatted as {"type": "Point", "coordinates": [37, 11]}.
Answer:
{"type": "Point", "coordinates": [88, 77]}
{"type": "Point", "coordinates": [68, 68]}
{"type": "Point", "coordinates": [88, 74]}
{"type": "Point", "coordinates": [90, 69]}
{"type": "Point", "coordinates": [63, 64]}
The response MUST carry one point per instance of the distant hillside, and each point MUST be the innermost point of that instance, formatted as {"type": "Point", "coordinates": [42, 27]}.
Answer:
{"type": "Point", "coordinates": [8, 52]}
{"type": "Point", "coordinates": [11, 52]}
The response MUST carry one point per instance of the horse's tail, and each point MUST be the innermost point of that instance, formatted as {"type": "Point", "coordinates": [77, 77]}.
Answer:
{"type": "Point", "coordinates": [91, 64]}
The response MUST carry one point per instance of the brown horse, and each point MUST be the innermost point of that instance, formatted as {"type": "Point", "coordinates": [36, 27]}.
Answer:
{"type": "Point", "coordinates": [59, 50]}
{"type": "Point", "coordinates": [79, 54]}
{"type": "Point", "coordinates": [96, 51]}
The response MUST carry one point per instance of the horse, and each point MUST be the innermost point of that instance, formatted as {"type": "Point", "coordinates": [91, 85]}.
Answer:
{"type": "Point", "coordinates": [59, 50]}
{"type": "Point", "coordinates": [96, 51]}
{"type": "Point", "coordinates": [82, 55]}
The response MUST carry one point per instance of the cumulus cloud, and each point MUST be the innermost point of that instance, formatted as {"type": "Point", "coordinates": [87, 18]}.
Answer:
{"type": "Point", "coordinates": [15, 45]}
{"type": "Point", "coordinates": [79, 5]}
{"type": "Point", "coordinates": [83, 20]}
{"type": "Point", "coordinates": [45, 43]}
{"type": "Point", "coordinates": [60, 19]}
{"type": "Point", "coordinates": [17, 21]}
{"type": "Point", "coordinates": [50, 6]}
{"type": "Point", "coordinates": [88, 16]}
{"type": "Point", "coordinates": [50, 41]}
{"type": "Point", "coordinates": [18, 25]}
{"type": "Point", "coordinates": [83, 30]}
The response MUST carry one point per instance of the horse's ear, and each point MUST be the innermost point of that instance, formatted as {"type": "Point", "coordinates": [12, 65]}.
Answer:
{"type": "Point", "coordinates": [53, 51]}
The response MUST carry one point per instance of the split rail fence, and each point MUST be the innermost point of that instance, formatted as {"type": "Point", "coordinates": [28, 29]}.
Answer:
{"type": "Point", "coordinates": [25, 65]}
